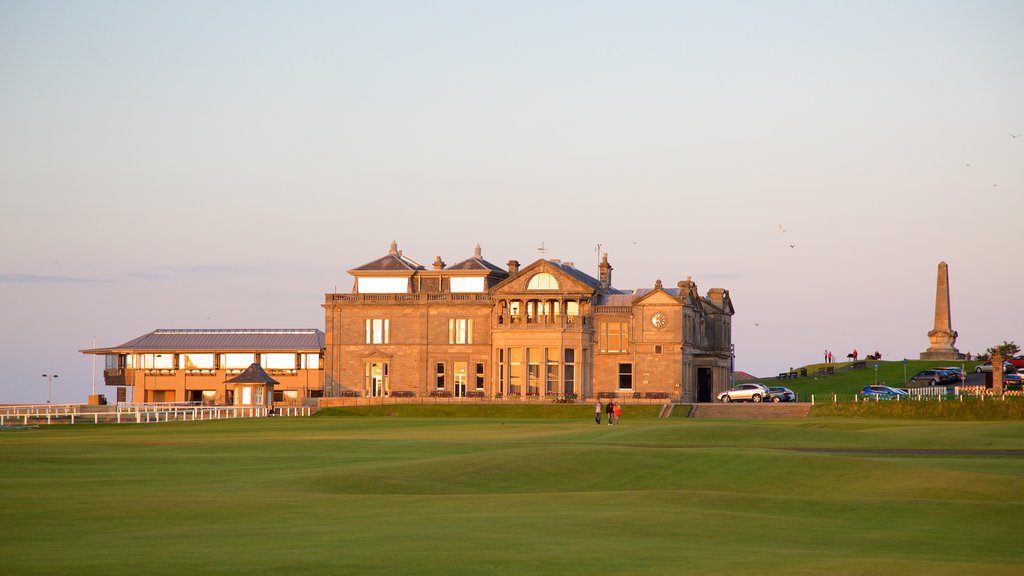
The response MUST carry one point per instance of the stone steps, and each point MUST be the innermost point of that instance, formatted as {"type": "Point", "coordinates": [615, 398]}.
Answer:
{"type": "Point", "coordinates": [751, 410]}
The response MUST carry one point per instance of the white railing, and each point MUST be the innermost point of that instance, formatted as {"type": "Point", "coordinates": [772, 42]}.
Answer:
{"type": "Point", "coordinates": [147, 413]}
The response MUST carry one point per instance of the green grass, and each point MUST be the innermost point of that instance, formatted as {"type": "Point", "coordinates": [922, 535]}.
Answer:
{"type": "Point", "coordinates": [848, 382]}
{"type": "Point", "coordinates": [970, 408]}
{"type": "Point", "coordinates": [400, 495]}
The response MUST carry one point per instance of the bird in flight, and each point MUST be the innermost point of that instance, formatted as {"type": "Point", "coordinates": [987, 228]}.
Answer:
{"type": "Point", "coordinates": [1012, 135]}
{"type": "Point", "coordinates": [792, 245]}
{"type": "Point", "coordinates": [781, 229]}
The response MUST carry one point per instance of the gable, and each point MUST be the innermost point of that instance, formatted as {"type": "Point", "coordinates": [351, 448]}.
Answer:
{"type": "Point", "coordinates": [567, 283]}
{"type": "Point", "coordinates": [657, 297]}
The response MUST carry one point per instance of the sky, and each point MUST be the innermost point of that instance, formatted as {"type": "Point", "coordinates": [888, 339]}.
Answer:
{"type": "Point", "coordinates": [197, 164]}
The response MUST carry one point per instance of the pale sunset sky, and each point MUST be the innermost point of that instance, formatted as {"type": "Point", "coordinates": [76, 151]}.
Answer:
{"type": "Point", "coordinates": [216, 164]}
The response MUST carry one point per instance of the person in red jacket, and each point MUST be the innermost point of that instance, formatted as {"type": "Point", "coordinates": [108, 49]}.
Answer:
{"type": "Point", "coordinates": [618, 412]}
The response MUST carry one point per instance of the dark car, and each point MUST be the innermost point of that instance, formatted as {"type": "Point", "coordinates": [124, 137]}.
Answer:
{"type": "Point", "coordinates": [929, 377]}
{"type": "Point", "coordinates": [1013, 382]}
{"type": "Point", "coordinates": [781, 394]}
{"type": "Point", "coordinates": [883, 392]}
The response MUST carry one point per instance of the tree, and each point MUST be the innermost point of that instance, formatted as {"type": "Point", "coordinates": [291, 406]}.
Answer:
{"type": "Point", "coordinates": [1007, 350]}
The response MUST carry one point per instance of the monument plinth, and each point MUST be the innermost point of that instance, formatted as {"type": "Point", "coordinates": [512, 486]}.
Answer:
{"type": "Point", "coordinates": [942, 336]}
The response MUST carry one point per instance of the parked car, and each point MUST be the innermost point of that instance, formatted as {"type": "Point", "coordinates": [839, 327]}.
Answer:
{"type": "Point", "coordinates": [781, 394]}
{"type": "Point", "coordinates": [929, 377]}
{"type": "Point", "coordinates": [1014, 381]}
{"type": "Point", "coordinates": [1017, 361]}
{"type": "Point", "coordinates": [987, 367]}
{"type": "Point", "coordinates": [956, 372]}
{"type": "Point", "coordinates": [883, 392]}
{"type": "Point", "coordinates": [744, 393]}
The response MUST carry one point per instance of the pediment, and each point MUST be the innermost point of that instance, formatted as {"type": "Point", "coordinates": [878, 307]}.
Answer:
{"type": "Point", "coordinates": [657, 297]}
{"type": "Point", "coordinates": [567, 282]}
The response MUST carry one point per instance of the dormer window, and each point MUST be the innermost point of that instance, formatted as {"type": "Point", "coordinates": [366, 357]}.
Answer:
{"type": "Point", "coordinates": [542, 281]}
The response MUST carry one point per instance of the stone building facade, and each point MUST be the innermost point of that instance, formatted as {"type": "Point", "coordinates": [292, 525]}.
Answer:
{"type": "Point", "coordinates": [546, 329]}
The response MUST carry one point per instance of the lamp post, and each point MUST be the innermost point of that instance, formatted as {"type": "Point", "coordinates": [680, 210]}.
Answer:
{"type": "Point", "coordinates": [49, 385]}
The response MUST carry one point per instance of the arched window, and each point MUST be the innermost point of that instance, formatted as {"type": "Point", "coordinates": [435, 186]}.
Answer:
{"type": "Point", "coordinates": [542, 281]}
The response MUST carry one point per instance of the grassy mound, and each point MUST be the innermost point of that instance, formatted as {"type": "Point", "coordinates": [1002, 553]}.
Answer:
{"type": "Point", "coordinates": [954, 409]}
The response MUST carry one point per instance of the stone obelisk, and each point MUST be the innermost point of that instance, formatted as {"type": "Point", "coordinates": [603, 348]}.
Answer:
{"type": "Point", "coordinates": [942, 336]}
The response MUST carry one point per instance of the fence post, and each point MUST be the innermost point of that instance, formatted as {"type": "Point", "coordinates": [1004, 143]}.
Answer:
{"type": "Point", "coordinates": [812, 399]}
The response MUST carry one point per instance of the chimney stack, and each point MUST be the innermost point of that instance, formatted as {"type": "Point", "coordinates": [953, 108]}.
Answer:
{"type": "Point", "coordinates": [606, 271]}
{"type": "Point", "coordinates": [439, 264]}
{"type": "Point", "coordinates": [513, 267]}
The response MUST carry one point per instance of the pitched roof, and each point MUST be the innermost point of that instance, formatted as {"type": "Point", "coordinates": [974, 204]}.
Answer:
{"type": "Point", "coordinates": [254, 374]}
{"type": "Point", "coordinates": [477, 264]}
{"type": "Point", "coordinates": [578, 274]}
{"type": "Point", "coordinates": [394, 261]}
{"type": "Point", "coordinates": [221, 341]}
{"type": "Point", "coordinates": [389, 262]}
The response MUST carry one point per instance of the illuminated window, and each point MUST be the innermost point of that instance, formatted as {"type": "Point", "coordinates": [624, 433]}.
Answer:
{"type": "Point", "coordinates": [377, 331]}
{"type": "Point", "coordinates": [614, 336]}
{"type": "Point", "coordinates": [542, 281]}
{"type": "Point", "coordinates": [460, 331]}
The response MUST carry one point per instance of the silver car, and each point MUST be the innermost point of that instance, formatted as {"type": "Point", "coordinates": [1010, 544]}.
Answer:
{"type": "Point", "coordinates": [744, 393]}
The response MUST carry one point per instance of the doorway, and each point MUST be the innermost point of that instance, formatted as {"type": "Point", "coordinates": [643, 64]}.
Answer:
{"type": "Point", "coordinates": [703, 384]}
{"type": "Point", "coordinates": [377, 379]}
{"type": "Point", "coordinates": [460, 378]}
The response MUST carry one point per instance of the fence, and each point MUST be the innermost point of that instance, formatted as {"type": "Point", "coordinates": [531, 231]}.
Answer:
{"type": "Point", "coordinates": [138, 414]}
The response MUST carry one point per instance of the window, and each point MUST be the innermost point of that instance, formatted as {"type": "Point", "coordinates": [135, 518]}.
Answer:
{"type": "Point", "coordinates": [237, 360]}
{"type": "Point", "coordinates": [279, 361]}
{"type": "Point", "coordinates": [460, 331]}
{"type": "Point", "coordinates": [515, 370]}
{"type": "Point", "coordinates": [479, 375]}
{"type": "Point", "coordinates": [472, 284]}
{"type": "Point", "coordinates": [657, 348]}
{"type": "Point", "coordinates": [551, 380]}
{"type": "Point", "coordinates": [542, 281]}
{"type": "Point", "coordinates": [377, 331]}
{"type": "Point", "coordinates": [614, 336]}
{"type": "Point", "coordinates": [199, 361]}
{"type": "Point", "coordinates": [533, 369]}
{"type": "Point", "coordinates": [569, 371]}
{"type": "Point", "coordinates": [501, 370]}
{"type": "Point", "coordinates": [440, 376]}
{"type": "Point", "coordinates": [625, 376]}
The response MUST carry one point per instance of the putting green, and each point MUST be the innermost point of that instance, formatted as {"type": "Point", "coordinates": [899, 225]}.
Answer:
{"type": "Point", "coordinates": [347, 495]}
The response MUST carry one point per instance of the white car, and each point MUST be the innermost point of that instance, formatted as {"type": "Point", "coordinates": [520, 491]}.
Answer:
{"type": "Point", "coordinates": [987, 367]}
{"type": "Point", "coordinates": [744, 393]}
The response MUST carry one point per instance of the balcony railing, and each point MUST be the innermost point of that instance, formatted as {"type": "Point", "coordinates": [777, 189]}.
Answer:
{"type": "Point", "coordinates": [407, 298]}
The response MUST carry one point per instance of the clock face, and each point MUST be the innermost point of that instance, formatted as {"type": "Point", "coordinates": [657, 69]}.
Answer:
{"type": "Point", "coordinates": [659, 320]}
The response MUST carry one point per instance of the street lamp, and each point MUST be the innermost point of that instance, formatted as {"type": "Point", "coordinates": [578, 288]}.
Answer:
{"type": "Point", "coordinates": [49, 385]}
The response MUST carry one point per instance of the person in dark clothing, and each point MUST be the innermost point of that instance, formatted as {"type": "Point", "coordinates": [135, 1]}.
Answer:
{"type": "Point", "coordinates": [610, 412]}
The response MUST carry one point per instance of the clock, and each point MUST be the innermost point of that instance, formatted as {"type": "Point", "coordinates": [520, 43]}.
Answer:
{"type": "Point", "coordinates": [659, 320]}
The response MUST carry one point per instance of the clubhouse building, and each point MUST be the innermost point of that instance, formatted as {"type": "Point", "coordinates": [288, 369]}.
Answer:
{"type": "Point", "coordinates": [547, 330]}
{"type": "Point", "coordinates": [474, 329]}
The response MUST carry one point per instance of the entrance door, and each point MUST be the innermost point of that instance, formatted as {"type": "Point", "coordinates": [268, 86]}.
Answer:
{"type": "Point", "coordinates": [377, 376]}
{"type": "Point", "coordinates": [703, 384]}
{"type": "Point", "coordinates": [460, 378]}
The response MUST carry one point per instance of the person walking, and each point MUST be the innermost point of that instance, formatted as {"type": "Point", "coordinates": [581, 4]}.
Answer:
{"type": "Point", "coordinates": [610, 412]}
{"type": "Point", "coordinates": [618, 412]}
{"type": "Point", "coordinates": [598, 408]}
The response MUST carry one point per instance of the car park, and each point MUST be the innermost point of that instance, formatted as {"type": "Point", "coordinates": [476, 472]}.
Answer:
{"type": "Point", "coordinates": [744, 393]}
{"type": "Point", "coordinates": [929, 377]}
{"type": "Point", "coordinates": [780, 394]}
{"type": "Point", "coordinates": [883, 392]}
